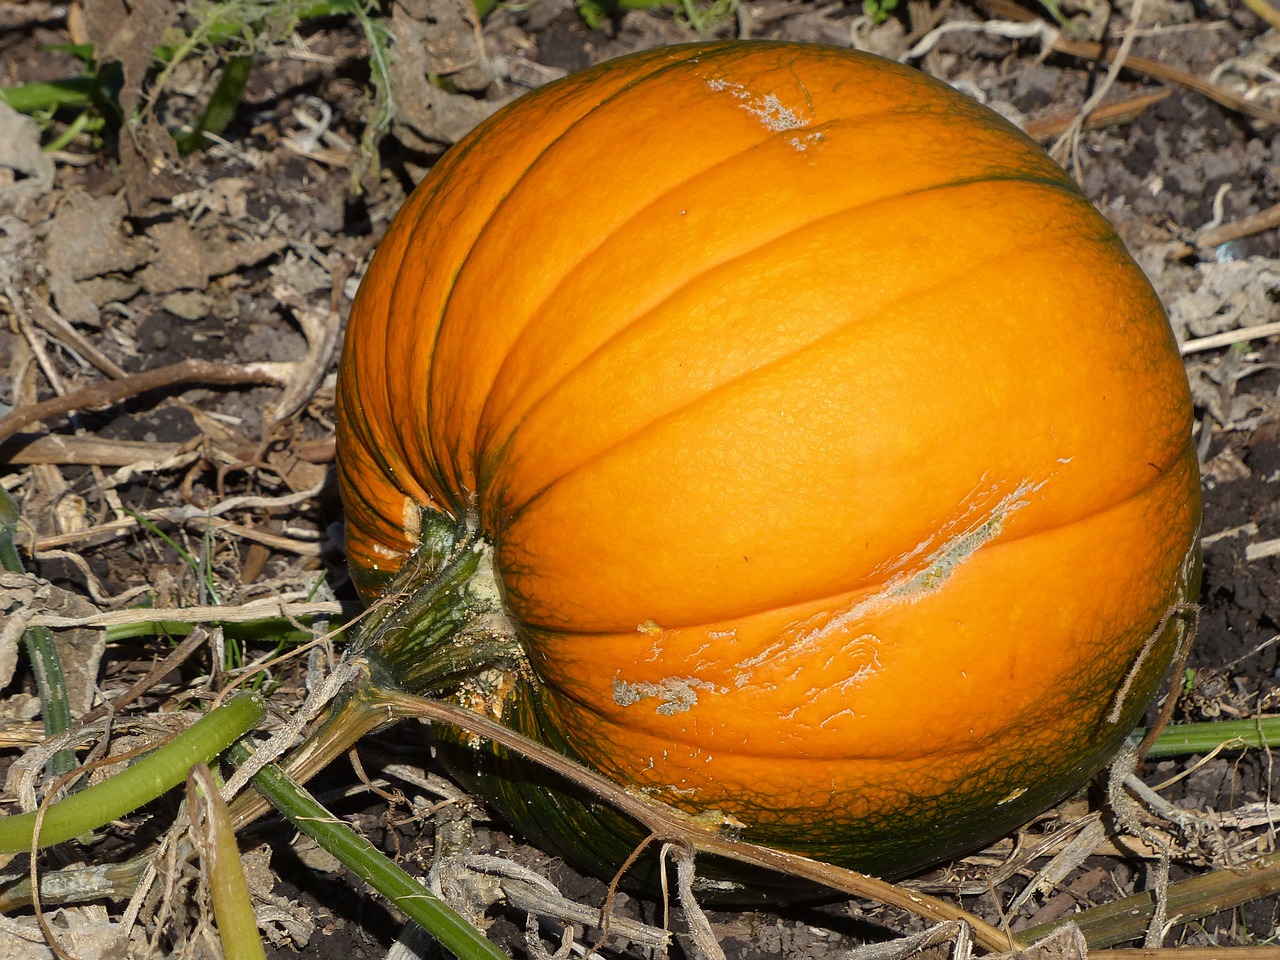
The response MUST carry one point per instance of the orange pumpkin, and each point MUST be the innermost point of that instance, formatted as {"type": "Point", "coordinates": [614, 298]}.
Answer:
{"type": "Point", "coordinates": [829, 455]}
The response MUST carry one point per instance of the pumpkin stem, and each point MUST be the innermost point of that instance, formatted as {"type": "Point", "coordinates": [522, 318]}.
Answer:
{"type": "Point", "coordinates": [440, 631]}
{"type": "Point", "coordinates": [442, 627]}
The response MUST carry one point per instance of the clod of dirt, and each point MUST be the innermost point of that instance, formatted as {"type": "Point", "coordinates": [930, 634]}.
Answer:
{"type": "Point", "coordinates": [186, 259]}
{"type": "Point", "coordinates": [88, 240]}
{"type": "Point", "coordinates": [26, 171]}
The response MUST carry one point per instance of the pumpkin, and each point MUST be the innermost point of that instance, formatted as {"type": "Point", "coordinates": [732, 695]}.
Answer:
{"type": "Point", "coordinates": [820, 455]}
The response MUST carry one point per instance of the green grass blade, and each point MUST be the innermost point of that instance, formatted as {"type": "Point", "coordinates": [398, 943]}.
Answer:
{"type": "Point", "coordinates": [377, 36]}
{"type": "Point", "coordinates": [9, 517]}
{"type": "Point", "coordinates": [221, 107]}
{"type": "Point", "coordinates": [50, 95]}
{"type": "Point", "coordinates": [410, 896]}
{"type": "Point", "coordinates": [51, 683]}
{"type": "Point", "coordinates": [201, 570]}
{"type": "Point", "coordinates": [42, 652]}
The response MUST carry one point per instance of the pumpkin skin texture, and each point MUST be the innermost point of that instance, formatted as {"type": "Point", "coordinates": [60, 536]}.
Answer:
{"type": "Point", "coordinates": [834, 454]}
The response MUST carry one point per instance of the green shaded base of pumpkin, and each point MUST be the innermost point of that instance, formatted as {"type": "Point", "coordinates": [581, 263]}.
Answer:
{"type": "Point", "coordinates": [554, 816]}
{"type": "Point", "coordinates": [440, 642]}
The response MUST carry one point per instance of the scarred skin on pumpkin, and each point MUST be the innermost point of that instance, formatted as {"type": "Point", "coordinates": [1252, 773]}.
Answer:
{"type": "Point", "coordinates": [832, 454]}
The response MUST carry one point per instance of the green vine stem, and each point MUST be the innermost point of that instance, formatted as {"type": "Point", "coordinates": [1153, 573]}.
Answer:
{"type": "Point", "coordinates": [1179, 739]}
{"type": "Point", "coordinates": [1127, 919]}
{"type": "Point", "coordinates": [155, 774]}
{"type": "Point", "coordinates": [358, 854]}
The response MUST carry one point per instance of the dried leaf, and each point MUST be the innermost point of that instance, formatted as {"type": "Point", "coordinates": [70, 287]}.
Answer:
{"type": "Point", "coordinates": [1230, 295]}
{"type": "Point", "coordinates": [186, 258]}
{"type": "Point", "coordinates": [427, 117]}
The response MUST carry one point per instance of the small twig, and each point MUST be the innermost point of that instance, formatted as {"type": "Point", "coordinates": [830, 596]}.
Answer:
{"type": "Point", "coordinates": [1162, 71]}
{"type": "Point", "coordinates": [699, 926]}
{"type": "Point", "coordinates": [96, 590]}
{"type": "Point", "coordinates": [241, 503]}
{"type": "Point", "coordinates": [17, 931]}
{"type": "Point", "coordinates": [1219, 208]}
{"type": "Point", "coordinates": [531, 892]}
{"type": "Point", "coordinates": [1016, 27]}
{"type": "Point", "coordinates": [37, 347]}
{"type": "Point", "coordinates": [1262, 549]}
{"type": "Point", "coordinates": [1104, 115]}
{"type": "Point", "coordinates": [606, 912]}
{"type": "Point", "coordinates": [1229, 337]}
{"type": "Point", "coordinates": [922, 944]}
{"type": "Point", "coordinates": [54, 324]}
{"type": "Point", "coordinates": [306, 548]}
{"type": "Point", "coordinates": [1160, 891]}
{"type": "Point", "coordinates": [118, 528]}
{"type": "Point", "coordinates": [321, 328]}
{"type": "Point", "coordinates": [1264, 220]}
{"type": "Point", "coordinates": [104, 394]}
{"type": "Point", "coordinates": [265, 609]}
{"type": "Point", "coordinates": [394, 799]}
{"type": "Point", "coordinates": [1089, 834]}
{"type": "Point", "coordinates": [204, 519]}
{"type": "Point", "coordinates": [62, 448]}
{"type": "Point", "coordinates": [33, 867]}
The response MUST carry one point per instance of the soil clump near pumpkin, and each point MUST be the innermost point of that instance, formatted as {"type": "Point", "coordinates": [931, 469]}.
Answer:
{"type": "Point", "coordinates": [231, 258]}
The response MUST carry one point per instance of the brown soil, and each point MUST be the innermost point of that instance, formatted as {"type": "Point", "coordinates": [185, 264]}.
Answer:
{"type": "Point", "coordinates": [249, 251]}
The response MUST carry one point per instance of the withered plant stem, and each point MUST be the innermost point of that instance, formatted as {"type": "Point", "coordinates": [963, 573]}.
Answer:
{"type": "Point", "coordinates": [1202, 896]}
{"type": "Point", "coordinates": [113, 391]}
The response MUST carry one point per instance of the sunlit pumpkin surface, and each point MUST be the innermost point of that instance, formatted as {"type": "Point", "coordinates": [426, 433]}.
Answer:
{"type": "Point", "coordinates": [835, 454]}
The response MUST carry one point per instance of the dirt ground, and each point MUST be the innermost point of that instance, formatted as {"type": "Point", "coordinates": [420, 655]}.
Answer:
{"type": "Point", "coordinates": [119, 255]}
